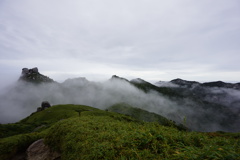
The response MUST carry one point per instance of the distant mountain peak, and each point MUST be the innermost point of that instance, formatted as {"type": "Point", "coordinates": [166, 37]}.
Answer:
{"type": "Point", "coordinates": [33, 75]}
{"type": "Point", "coordinates": [115, 77]}
{"type": "Point", "coordinates": [165, 84]}
{"type": "Point", "coordinates": [182, 82]}
{"type": "Point", "coordinates": [80, 81]}
{"type": "Point", "coordinates": [222, 84]}
{"type": "Point", "coordinates": [138, 80]}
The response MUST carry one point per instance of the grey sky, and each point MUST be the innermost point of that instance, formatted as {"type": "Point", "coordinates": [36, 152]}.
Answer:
{"type": "Point", "coordinates": [151, 39]}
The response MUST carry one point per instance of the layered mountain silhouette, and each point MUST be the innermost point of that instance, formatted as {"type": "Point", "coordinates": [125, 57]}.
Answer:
{"type": "Point", "coordinates": [211, 106]}
{"type": "Point", "coordinates": [221, 84]}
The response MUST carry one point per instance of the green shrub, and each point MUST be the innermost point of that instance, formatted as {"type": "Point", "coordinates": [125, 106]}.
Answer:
{"type": "Point", "coordinates": [11, 145]}
{"type": "Point", "coordinates": [7, 130]}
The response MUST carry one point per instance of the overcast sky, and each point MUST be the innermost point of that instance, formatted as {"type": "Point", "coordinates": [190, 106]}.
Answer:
{"type": "Point", "coordinates": [150, 39]}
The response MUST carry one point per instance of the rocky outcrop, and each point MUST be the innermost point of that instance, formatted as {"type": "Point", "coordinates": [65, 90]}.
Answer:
{"type": "Point", "coordinates": [39, 151]}
{"type": "Point", "coordinates": [33, 75]}
{"type": "Point", "coordinates": [44, 105]}
{"type": "Point", "coordinates": [29, 71]}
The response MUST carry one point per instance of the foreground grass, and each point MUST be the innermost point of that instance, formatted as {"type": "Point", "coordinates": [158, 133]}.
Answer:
{"type": "Point", "coordinates": [15, 138]}
{"type": "Point", "coordinates": [104, 137]}
{"type": "Point", "coordinates": [97, 134]}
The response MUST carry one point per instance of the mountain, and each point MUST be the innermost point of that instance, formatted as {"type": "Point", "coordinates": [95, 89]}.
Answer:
{"type": "Point", "coordinates": [184, 83]}
{"type": "Point", "coordinates": [222, 84]}
{"type": "Point", "coordinates": [119, 119]}
{"type": "Point", "coordinates": [198, 107]}
{"type": "Point", "coordinates": [116, 78]}
{"type": "Point", "coordinates": [213, 107]}
{"type": "Point", "coordinates": [32, 75]}
{"type": "Point", "coordinates": [147, 87]}
{"type": "Point", "coordinates": [221, 93]}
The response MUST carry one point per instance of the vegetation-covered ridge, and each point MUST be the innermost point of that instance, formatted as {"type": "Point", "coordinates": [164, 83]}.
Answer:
{"type": "Point", "coordinates": [82, 132]}
{"type": "Point", "coordinates": [144, 115]}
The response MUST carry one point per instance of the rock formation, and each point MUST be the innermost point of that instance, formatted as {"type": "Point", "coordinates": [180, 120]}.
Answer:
{"type": "Point", "coordinates": [33, 75]}
{"type": "Point", "coordinates": [44, 105]}
{"type": "Point", "coordinates": [39, 151]}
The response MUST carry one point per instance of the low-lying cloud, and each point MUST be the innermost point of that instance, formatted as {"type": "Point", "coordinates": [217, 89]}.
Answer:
{"type": "Point", "coordinates": [21, 99]}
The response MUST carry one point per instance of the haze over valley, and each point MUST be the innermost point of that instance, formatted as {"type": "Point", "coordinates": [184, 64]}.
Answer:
{"type": "Point", "coordinates": [212, 106]}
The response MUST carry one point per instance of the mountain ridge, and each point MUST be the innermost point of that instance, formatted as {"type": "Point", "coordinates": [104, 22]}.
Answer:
{"type": "Point", "coordinates": [205, 108]}
{"type": "Point", "coordinates": [33, 75]}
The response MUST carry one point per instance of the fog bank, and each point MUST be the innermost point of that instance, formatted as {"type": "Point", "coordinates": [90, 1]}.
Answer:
{"type": "Point", "coordinates": [22, 99]}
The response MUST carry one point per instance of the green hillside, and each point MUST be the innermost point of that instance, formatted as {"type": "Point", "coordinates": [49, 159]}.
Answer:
{"type": "Point", "coordinates": [144, 115]}
{"type": "Point", "coordinates": [146, 87]}
{"type": "Point", "coordinates": [82, 132]}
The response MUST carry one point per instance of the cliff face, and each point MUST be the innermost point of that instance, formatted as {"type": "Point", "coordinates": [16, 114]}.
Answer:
{"type": "Point", "coordinates": [33, 75]}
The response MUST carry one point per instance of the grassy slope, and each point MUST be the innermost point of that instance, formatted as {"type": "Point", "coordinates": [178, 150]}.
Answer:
{"type": "Point", "coordinates": [98, 134]}
{"type": "Point", "coordinates": [143, 115]}
{"type": "Point", "coordinates": [104, 137]}
{"type": "Point", "coordinates": [42, 119]}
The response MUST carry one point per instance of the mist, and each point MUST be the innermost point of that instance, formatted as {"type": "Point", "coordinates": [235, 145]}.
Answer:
{"type": "Point", "coordinates": [23, 98]}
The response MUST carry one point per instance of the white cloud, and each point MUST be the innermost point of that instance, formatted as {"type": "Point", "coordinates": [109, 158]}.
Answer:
{"type": "Point", "coordinates": [152, 39]}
